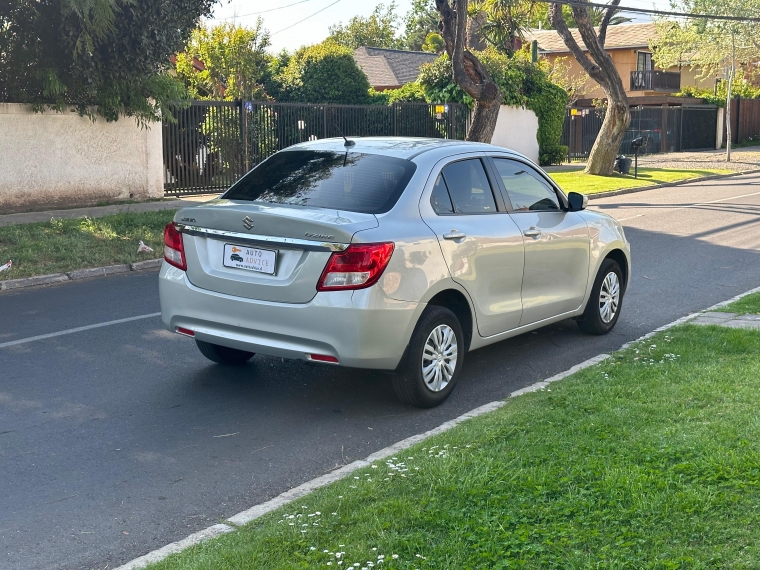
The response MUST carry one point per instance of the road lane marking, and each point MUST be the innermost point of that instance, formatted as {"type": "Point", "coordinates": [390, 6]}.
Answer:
{"type": "Point", "coordinates": [77, 329]}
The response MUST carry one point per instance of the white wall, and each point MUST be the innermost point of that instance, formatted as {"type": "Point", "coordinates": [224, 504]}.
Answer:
{"type": "Point", "coordinates": [62, 159]}
{"type": "Point", "coordinates": [516, 130]}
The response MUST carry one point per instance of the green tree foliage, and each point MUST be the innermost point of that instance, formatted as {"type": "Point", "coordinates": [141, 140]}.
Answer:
{"type": "Point", "coordinates": [505, 21]}
{"type": "Point", "coordinates": [523, 84]}
{"type": "Point", "coordinates": [323, 73]}
{"type": "Point", "coordinates": [711, 46]}
{"type": "Point", "coordinates": [741, 87]}
{"type": "Point", "coordinates": [434, 43]}
{"type": "Point", "coordinates": [235, 60]}
{"type": "Point", "coordinates": [110, 54]}
{"type": "Point", "coordinates": [376, 30]}
{"type": "Point", "coordinates": [421, 20]}
{"type": "Point", "coordinates": [540, 14]}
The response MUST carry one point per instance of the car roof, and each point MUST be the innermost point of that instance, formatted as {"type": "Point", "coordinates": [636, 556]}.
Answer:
{"type": "Point", "coordinates": [400, 147]}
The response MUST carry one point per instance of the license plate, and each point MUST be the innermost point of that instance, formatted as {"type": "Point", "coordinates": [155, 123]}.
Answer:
{"type": "Point", "coordinates": [250, 258]}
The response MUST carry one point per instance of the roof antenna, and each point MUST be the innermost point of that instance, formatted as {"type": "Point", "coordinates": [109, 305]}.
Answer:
{"type": "Point", "coordinates": [349, 143]}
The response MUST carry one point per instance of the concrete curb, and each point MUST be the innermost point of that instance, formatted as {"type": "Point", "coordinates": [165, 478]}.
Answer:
{"type": "Point", "coordinates": [79, 274]}
{"type": "Point", "coordinates": [283, 499]}
{"type": "Point", "coordinates": [668, 184]}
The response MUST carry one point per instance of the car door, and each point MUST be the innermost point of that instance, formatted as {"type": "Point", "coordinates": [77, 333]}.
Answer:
{"type": "Point", "coordinates": [481, 244]}
{"type": "Point", "coordinates": [556, 242]}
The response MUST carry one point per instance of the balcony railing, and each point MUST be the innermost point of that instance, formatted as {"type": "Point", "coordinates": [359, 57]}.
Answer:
{"type": "Point", "coordinates": [668, 81]}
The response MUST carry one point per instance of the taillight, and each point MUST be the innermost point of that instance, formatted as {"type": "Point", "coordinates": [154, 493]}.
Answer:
{"type": "Point", "coordinates": [174, 250]}
{"type": "Point", "coordinates": [360, 266]}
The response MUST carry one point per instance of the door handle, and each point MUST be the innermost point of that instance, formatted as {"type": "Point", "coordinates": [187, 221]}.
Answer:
{"type": "Point", "coordinates": [532, 232]}
{"type": "Point", "coordinates": [455, 234]}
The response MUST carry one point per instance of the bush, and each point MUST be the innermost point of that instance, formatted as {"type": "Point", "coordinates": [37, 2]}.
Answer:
{"type": "Point", "coordinates": [523, 84]}
{"type": "Point", "coordinates": [553, 155]}
{"type": "Point", "coordinates": [411, 92]}
{"type": "Point", "coordinates": [323, 73]}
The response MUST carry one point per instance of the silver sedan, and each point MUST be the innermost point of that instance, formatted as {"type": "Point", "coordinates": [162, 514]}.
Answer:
{"type": "Point", "coordinates": [398, 254]}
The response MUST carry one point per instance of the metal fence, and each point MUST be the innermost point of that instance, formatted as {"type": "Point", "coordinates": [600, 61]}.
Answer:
{"type": "Point", "coordinates": [664, 129]}
{"type": "Point", "coordinates": [213, 143]}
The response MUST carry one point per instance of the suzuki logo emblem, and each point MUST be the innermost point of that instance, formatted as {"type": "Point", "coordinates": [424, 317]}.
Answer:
{"type": "Point", "coordinates": [248, 223]}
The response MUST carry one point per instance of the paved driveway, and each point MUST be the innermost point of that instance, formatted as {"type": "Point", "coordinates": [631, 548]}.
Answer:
{"type": "Point", "coordinates": [118, 439]}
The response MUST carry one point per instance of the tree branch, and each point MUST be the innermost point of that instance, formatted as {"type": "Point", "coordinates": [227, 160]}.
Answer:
{"type": "Point", "coordinates": [606, 22]}
{"type": "Point", "coordinates": [559, 24]}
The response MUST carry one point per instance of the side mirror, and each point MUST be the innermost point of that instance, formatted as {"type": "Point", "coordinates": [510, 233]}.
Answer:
{"type": "Point", "coordinates": [577, 201]}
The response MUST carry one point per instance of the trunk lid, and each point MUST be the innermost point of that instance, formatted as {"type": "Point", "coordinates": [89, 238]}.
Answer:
{"type": "Point", "coordinates": [302, 238]}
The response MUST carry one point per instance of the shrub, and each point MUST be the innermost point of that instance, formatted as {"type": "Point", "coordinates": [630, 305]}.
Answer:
{"type": "Point", "coordinates": [523, 84]}
{"type": "Point", "coordinates": [323, 73]}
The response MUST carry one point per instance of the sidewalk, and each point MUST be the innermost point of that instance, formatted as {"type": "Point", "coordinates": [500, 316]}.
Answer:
{"type": "Point", "coordinates": [747, 158]}
{"type": "Point", "coordinates": [100, 211]}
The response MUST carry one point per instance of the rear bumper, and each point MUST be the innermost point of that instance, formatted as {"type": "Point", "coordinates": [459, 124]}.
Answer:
{"type": "Point", "coordinates": [363, 329]}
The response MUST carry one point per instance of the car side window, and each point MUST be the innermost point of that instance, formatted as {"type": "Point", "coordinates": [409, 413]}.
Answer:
{"type": "Point", "coordinates": [526, 189]}
{"type": "Point", "coordinates": [440, 199]}
{"type": "Point", "coordinates": [468, 187]}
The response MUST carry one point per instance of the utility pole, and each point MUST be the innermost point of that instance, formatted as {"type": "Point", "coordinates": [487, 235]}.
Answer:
{"type": "Point", "coordinates": [729, 89]}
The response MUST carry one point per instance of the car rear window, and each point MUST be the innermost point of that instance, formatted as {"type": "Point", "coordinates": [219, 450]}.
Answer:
{"type": "Point", "coordinates": [351, 181]}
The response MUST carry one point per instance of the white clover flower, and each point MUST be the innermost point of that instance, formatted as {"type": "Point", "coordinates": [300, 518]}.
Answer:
{"type": "Point", "coordinates": [313, 548]}
{"type": "Point", "coordinates": [318, 513]}
{"type": "Point", "coordinates": [381, 556]}
{"type": "Point", "coordinates": [394, 556]}
{"type": "Point", "coordinates": [336, 514]}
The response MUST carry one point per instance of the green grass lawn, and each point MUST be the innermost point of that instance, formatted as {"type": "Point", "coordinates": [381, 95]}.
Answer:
{"type": "Point", "coordinates": [64, 245]}
{"type": "Point", "coordinates": [749, 305]}
{"type": "Point", "coordinates": [648, 460]}
{"type": "Point", "coordinates": [577, 181]}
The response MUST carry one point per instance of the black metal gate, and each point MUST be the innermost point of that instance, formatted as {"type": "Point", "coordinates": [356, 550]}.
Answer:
{"type": "Point", "coordinates": [213, 143]}
{"type": "Point", "coordinates": [699, 128]}
{"type": "Point", "coordinates": [663, 129]}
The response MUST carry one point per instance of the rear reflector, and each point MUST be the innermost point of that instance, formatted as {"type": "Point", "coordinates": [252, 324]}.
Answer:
{"type": "Point", "coordinates": [184, 331]}
{"type": "Point", "coordinates": [360, 266]}
{"type": "Point", "coordinates": [174, 249]}
{"type": "Point", "coordinates": [323, 358]}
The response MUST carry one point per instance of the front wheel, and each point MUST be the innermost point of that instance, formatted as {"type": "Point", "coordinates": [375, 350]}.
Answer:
{"type": "Point", "coordinates": [434, 359]}
{"type": "Point", "coordinates": [605, 301]}
{"type": "Point", "coordinates": [223, 354]}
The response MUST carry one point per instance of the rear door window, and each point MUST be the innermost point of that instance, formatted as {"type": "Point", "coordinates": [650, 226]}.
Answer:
{"type": "Point", "coordinates": [468, 187]}
{"type": "Point", "coordinates": [350, 181]}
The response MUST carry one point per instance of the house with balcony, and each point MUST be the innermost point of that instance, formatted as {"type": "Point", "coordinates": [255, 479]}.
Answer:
{"type": "Point", "coordinates": [628, 46]}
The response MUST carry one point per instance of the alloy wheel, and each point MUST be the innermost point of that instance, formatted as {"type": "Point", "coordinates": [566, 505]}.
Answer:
{"type": "Point", "coordinates": [609, 297]}
{"type": "Point", "coordinates": [439, 358]}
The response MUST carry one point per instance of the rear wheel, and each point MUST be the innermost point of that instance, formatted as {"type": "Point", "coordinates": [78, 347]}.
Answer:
{"type": "Point", "coordinates": [605, 301]}
{"type": "Point", "coordinates": [223, 354]}
{"type": "Point", "coordinates": [433, 361]}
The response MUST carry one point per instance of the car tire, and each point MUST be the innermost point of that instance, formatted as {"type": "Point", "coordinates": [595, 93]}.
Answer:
{"type": "Point", "coordinates": [223, 354]}
{"type": "Point", "coordinates": [427, 385]}
{"type": "Point", "coordinates": [605, 301]}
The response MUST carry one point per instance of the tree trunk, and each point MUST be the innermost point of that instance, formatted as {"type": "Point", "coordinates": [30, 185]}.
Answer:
{"type": "Point", "coordinates": [468, 72]}
{"type": "Point", "coordinates": [601, 160]}
{"type": "Point", "coordinates": [599, 65]}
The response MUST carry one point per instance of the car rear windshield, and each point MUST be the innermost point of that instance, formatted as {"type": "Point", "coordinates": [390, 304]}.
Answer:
{"type": "Point", "coordinates": [351, 181]}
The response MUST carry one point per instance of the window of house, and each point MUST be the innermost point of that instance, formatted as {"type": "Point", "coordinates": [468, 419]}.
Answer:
{"type": "Point", "coordinates": [644, 62]}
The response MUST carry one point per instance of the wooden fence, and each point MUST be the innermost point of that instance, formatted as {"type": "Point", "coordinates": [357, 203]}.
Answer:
{"type": "Point", "coordinates": [745, 119]}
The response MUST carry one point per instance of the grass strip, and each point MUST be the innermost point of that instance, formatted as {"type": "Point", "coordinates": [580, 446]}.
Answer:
{"type": "Point", "coordinates": [578, 181]}
{"type": "Point", "coordinates": [648, 460]}
{"type": "Point", "coordinates": [62, 245]}
{"type": "Point", "coordinates": [749, 305]}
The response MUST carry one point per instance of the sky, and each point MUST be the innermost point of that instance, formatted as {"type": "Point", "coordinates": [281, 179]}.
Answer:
{"type": "Point", "coordinates": [281, 17]}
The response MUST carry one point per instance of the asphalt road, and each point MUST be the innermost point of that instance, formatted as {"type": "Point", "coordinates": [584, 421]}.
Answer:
{"type": "Point", "coordinates": [117, 440]}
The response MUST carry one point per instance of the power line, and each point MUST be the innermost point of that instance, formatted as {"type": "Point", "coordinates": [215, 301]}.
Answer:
{"type": "Point", "coordinates": [655, 12]}
{"type": "Point", "coordinates": [306, 18]}
{"type": "Point", "coordinates": [263, 11]}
